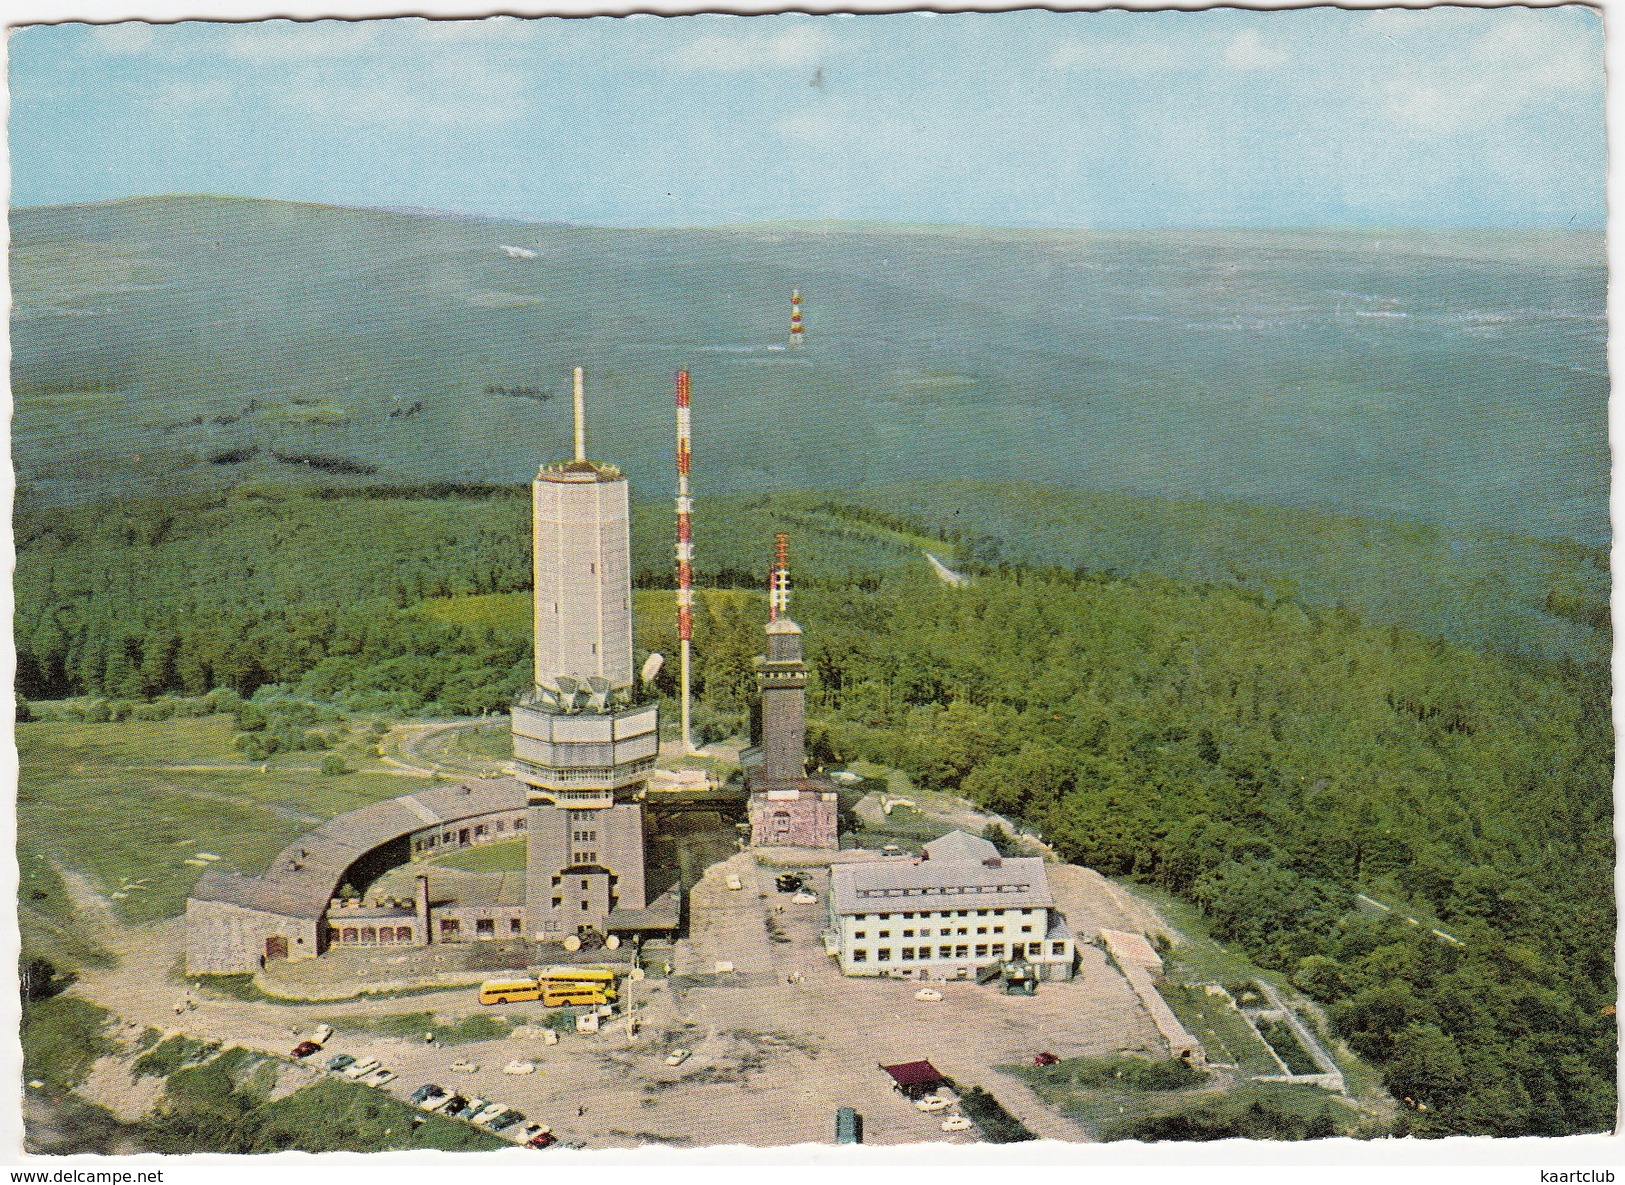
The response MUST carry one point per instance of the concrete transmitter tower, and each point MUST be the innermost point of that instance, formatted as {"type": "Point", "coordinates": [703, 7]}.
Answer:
{"type": "Point", "coordinates": [584, 737]}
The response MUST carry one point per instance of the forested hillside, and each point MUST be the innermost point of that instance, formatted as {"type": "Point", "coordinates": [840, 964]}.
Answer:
{"type": "Point", "coordinates": [1260, 755]}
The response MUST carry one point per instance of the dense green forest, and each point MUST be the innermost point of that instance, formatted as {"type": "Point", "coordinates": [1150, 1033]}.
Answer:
{"type": "Point", "coordinates": [1260, 755]}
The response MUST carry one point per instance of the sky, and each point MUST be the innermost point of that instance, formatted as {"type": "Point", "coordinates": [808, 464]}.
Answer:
{"type": "Point", "coordinates": [1319, 117]}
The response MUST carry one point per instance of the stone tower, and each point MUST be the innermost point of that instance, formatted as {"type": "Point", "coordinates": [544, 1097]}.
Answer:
{"type": "Point", "coordinates": [584, 737]}
{"type": "Point", "coordinates": [787, 808]}
{"type": "Point", "coordinates": [781, 678]}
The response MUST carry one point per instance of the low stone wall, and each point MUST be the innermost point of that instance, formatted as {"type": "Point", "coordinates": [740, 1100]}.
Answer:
{"type": "Point", "coordinates": [1181, 1044]}
{"type": "Point", "coordinates": [1330, 1077]}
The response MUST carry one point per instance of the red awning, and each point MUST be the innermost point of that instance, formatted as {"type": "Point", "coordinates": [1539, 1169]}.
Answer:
{"type": "Point", "coordinates": [907, 1074]}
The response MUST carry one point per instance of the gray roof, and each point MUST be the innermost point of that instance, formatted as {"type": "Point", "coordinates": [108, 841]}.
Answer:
{"type": "Point", "coordinates": [304, 876]}
{"type": "Point", "coordinates": [887, 886]}
{"type": "Point", "coordinates": [960, 845]}
{"type": "Point", "coordinates": [662, 914]}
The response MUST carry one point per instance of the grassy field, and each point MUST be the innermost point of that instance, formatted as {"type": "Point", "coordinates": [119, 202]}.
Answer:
{"type": "Point", "coordinates": [416, 1025]}
{"type": "Point", "coordinates": [1223, 1032]}
{"type": "Point", "coordinates": [62, 1037]}
{"type": "Point", "coordinates": [1102, 1092]}
{"type": "Point", "coordinates": [506, 855]}
{"type": "Point", "coordinates": [126, 805]}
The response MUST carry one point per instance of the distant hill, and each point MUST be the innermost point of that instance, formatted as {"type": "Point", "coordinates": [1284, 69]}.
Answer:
{"type": "Point", "coordinates": [1450, 378]}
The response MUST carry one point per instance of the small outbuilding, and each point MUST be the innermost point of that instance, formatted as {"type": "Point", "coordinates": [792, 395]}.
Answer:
{"type": "Point", "coordinates": [915, 1078]}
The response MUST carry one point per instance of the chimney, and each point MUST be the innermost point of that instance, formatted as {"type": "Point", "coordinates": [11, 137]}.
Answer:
{"type": "Point", "coordinates": [420, 905]}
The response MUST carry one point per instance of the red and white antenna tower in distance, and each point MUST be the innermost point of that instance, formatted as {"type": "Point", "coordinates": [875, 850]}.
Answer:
{"type": "Point", "coordinates": [795, 317]}
{"type": "Point", "coordinates": [685, 559]}
{"type": "Point", "coordinates": [778, 581]}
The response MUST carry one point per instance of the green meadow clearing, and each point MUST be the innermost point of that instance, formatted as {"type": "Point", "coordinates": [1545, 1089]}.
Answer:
{"type": "Point", "coordinates": [127, 804]}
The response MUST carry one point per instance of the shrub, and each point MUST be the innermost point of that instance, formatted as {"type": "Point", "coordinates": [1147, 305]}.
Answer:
{"type": "Point", "coordinates": [997, 1125]}
{"type": "Point", "coordinates": [62, 1037]}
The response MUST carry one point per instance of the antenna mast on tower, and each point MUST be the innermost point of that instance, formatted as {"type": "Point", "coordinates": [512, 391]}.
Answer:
{"type": "Point", "coordinates": [778, 581]}
{"type": "Point", "coordinates": [685, 556]}
{"type": "Point", "coordinates": [581, 416]}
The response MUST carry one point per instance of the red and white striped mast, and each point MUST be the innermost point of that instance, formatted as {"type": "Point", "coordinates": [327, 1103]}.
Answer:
{"type": "Point", "coordinates": [685, 558]}
{"type": "Point", "coordinates": [778, 580]}
{"type": "Point", "coordinates": [795, 317]}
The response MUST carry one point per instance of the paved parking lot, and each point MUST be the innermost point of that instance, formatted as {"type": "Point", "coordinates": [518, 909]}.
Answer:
{"type": "Point", "coordinates": [776, 1045]}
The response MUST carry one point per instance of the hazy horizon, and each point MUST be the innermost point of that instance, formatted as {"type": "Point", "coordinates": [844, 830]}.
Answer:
{"type": "Point", "coordinates": [1448, 118]}
{"type": "Point", "coordinates": [795, 221]}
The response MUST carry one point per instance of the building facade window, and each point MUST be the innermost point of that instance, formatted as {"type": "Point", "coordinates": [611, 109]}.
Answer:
{"type": "Point", "coordinates": [883, 955]}
{"type": "Point", "coordinates": [860, 956]}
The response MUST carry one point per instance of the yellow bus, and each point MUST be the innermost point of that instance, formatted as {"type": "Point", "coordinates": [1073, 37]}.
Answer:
{"type": "Point", "coordinates": [566, 995]}
{"type": "Point", "coordinates": [596, 976]}
{"type": "Point", "coordinates": [507, 991]}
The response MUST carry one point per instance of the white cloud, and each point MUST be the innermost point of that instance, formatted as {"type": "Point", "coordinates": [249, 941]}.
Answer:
{"type": "Point", "coordinates": [1154, 54]}
{"type": "Point", "coordinates": [455, 90]}
{"type": "Point", "coordinates": [284, 41]}
{"type": "Point", "coordinates": [1247, 51]}
{"type": "Point", "coordinates": [1490, 75]}
{"type": "Point", "coordinates": [127, 37]}
{"type": "Point", "coordinates": [499, 29]}
{"type": "Point", "coordinates": [801, 47]}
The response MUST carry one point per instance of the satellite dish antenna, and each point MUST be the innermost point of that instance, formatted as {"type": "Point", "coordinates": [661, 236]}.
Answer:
{"type": "Point", "coordinates": [572, 942]}
{"type": "Point", "coordinates": [613, 942]}
{"type": "Point", "coordinates": [652, 665]}
{"type": "Point", "coordinates": [598, 683]}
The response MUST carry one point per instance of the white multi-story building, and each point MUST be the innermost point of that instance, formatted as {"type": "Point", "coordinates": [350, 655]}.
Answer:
{"type": "Point", "coordinates": [947, 915]}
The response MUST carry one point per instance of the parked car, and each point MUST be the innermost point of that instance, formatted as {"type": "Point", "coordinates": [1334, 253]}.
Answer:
{"type": "Point", "coordinates": [519, 1066]}
{"type": "Point", "coordinates": [427, 1091]}
{"type": "Point", "coordinates": [1045, 1059]}
{"type": "Point", "coordinates": [357, 1069]}
{"type": "Point", "coordinates": [449, 1105]}
{"type": "Point", "coordinates": [932, 1102]}
{"type": "Point", "coordinates": [506, 1120]}
{"type": "Point", "coordinates": [305, 1048]}
{"type": "Point", "coordinates": [542, 1140]}
{"type": "Point", "coordinates": [379, 1077]}
{"type": "Point", "coordinates": [471, 1108]}
{"type": "Point", "coordinates": [484, 1117]}
{"type": "Point", "coordinates": [733, 882]}
{"type": "Point", "coordinates": [530, 1131]}
{"type": "Point", "coordinates": [788, 882]}
{"type": "Point", "coordinates": [339, 1062]}
{"type": "Point", "coordinates": [805, 897]}
{"type": "Point", "coordinates": [322, 1035]}
{"type": "Point", "coordinates": [677, 1057]}
{"type": "Point", "coordinates": [462, 1067]}
{"type": "Point", "coordinates": [928, 994]}
{"type": "Point", "coordinates": [956, 1123]}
